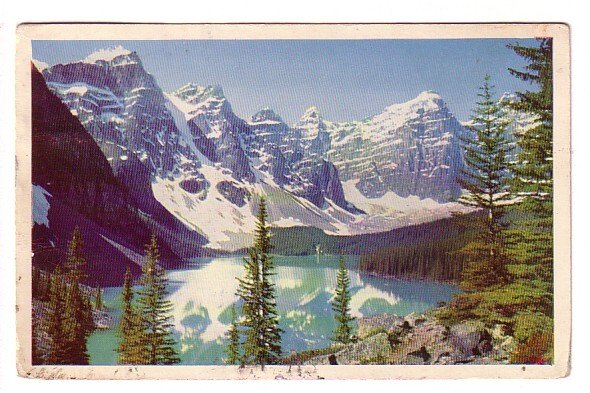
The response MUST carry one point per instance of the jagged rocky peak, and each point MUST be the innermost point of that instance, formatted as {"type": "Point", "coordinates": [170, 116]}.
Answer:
{"type": "Point", "coordinates": [266, 115]}
{"type": "Point", "coordinates": [194, 93]}
{"type": "Point", "coordinates": [311, 117]}
{"type": "Point", "coordinates": [313, 131]}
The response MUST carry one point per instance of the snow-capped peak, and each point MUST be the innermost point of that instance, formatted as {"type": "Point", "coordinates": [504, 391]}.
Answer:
{"type": "Point", "coordinates": [192, 92]}
{"type": "Point", "coordinates": [41, 65]}
{"type": "Point", "coordinates": [311, 113]}
{"type": "Point", "coordinates": [266, 115]}
{"type": "Point", "coordinates": [427, 101]}
{"type": "Point", "coordinates": [107, 54]}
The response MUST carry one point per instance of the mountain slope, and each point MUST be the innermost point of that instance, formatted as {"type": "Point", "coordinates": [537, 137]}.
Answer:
{"type": "Point", "coordinates": [73, 185]}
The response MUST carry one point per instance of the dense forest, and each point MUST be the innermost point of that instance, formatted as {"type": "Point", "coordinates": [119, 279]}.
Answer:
{"type": "Point", "coordinates": [303, 241]}
{"type": "Point", "coordinates": [435, 260]}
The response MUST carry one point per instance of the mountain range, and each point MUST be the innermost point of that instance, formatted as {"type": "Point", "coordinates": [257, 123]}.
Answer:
{"type": "Point", "coordinates": [193, 171]}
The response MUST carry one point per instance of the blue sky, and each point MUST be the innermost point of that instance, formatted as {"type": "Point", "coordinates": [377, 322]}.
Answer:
{"type": "Point", "coordinates": [345, 79]}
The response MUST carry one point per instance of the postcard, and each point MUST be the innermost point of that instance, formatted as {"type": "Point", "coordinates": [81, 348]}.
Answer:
{"type": "Point", "coordinates": [293, 201]}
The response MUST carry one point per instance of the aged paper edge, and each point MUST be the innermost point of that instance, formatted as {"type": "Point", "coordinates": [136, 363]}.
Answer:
{"type": "Point", "coordinates": [562, 192]}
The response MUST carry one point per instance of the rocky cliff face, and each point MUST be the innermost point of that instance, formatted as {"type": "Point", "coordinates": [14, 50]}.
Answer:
{"type": "Point", "coordinates": [118, 101]}
{"type": "Point", "coordinates": [409, 149]}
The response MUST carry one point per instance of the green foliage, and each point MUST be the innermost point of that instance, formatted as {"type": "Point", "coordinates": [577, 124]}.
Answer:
{"type": "Point", "coordinates": [156, 341]}
{"type": "Point", "coordinates": [538, 349]}
{"type": "Point", "coordinates": [433, 258]}
{"type": "Point", "coordinates": [54, 320]}
{"type": "Point", "coordinates": [523, 301]}
{"type": "Point", "coordinates": [486, 178]}
{"type": "Point", "coordinates": [260, 326]}
{"type": "Point", "coordinates": [233, 336]}
{"type": "Point", "coordinates": [78, 323]}
{"type": "Point", "coordinates": [130, 345]}
{"type": "Point", "coordinates": [68, 319]}
{"type": "Point", "coordinates": [76, 261]}
{"type": "Point", "coordinates": [341, 306]}
{"type": "Point", "coordinates": [534, 170]}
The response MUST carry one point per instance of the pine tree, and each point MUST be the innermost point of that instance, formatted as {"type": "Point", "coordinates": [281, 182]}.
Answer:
{"type": "Point", "coordinates": [341, 305]}
{"type": "Point", "coordinates": [76, 261]}
{"type": "Point", "coordinates": [531, 241]}
{"type": "Point", "coordinates": [262, 343]}
{"type": "Point", "coordinates": [157, 343]}
{"type": "Point", "coordinates": [486, 179]}
{"type": "Point", "coordinates": [76, 325]}
{"type": "Point", "coordinates": [54, 320]}
{"type": "Point", "coordinates": [129, 348]}
{"type": "Point", "coordinates": [534, 172]}
{"type": "Point", "coordinates": [233, 335]}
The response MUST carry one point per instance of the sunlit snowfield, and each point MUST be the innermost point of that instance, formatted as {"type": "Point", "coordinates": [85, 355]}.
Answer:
{"type": "Point", "coordinates": [204, 292]}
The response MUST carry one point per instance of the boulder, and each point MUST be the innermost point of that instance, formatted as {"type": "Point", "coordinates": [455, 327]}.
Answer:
{"type": "Point", "coordinates": [465, 337]}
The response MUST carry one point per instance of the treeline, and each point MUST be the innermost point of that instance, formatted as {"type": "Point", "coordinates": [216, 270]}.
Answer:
{"type": "Point", "coordinates": [304, 240]}
{"type": "Point", "coordinates": [64, 312]}
{"type": "Point", "coordinates": [436, 261]}
{"type": "Point", "coordinates": [62, 316]}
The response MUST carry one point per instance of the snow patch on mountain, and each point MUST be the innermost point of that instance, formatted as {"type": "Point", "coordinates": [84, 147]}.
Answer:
{"type": "Point", "coordinates": [390, 201]}
{"type": "Point", "coordinates": [41, 65]}
{"type": "Point", "coordinates": [107, 54]}
{"type": "Point", "coordinates": [180, 120]}
{"type": "Point", "coordinates": [40, 206]}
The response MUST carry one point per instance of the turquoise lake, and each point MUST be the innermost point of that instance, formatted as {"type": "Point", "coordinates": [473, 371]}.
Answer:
{"type": "Point", "coordinates": [204, 291]}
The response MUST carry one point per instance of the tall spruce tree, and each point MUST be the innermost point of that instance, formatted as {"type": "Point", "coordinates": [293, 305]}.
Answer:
{"type": "Point", "coordinates": [262, 342]}
{"type": "Point", "coordinates": [486, 180]}
{"type": "Point", "coordinates": [531, 241]}
{"type": "Point", "coordinates": [233, 337]}
{"type": "Point", "coordinates": [54, 320]}
{"type": "Point", "coordinates": [157, 343]}
{"type": "Point", "coordinates": [341, 305]}
{"type": "Point", "coordinates": [534, 171]}
{"type": "Point", "coordinates": [77, 324]}
{"type": "Point", "coordinates": [76, 261]}
{"type": "Point", "coordinates": [130, 347]}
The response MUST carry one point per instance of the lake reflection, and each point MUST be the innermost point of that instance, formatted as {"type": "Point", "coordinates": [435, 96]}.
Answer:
{"type": "Point", "coordinates": [204, 292]}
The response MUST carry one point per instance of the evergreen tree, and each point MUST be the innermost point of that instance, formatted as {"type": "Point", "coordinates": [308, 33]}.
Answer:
{"type": "Point", "coordinates": [54, 320]}
{"type": "Point", "coordinates": [157, 343]}
{"type": "Point", "coordinates": [76, 261]}
{"type": "Point", "coordinates": [530, 314]}
{"type": "Point", "coordinates": [129, 348]}
{"type": "Point", "coordinates": [486, 178]}
{"type": "Point", "coordinates": [233, 335]}
{"type": "Point", "coordinates": [534, 171]}
{"type": "Point", "coordinates": [262, 343]}
{"type": "Point", "coordinates": [77, 325]}
{"type": "Point", "coordinates": [341, 305]}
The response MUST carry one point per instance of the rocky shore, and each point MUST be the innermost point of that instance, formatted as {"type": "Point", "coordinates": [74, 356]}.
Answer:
{"type": "Point", "coordinates": [415, 340]}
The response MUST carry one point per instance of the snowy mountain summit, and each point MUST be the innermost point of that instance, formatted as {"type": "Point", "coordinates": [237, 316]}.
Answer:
{"type": "Point", "coordinates": [106, 55]}
{"type": "Point", "coordinates": [209, 167]}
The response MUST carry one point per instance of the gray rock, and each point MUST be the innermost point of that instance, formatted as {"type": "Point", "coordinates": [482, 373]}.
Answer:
{"type": "Point", "coordinates": [466, 337]}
